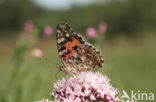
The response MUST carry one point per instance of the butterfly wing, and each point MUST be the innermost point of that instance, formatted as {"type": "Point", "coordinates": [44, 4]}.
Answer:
{"type": "Point", "coordinates": [76, 54]}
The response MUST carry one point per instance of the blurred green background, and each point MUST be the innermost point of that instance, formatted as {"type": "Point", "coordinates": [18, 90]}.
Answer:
{"type": "Point", "coordinates": [128, 45]}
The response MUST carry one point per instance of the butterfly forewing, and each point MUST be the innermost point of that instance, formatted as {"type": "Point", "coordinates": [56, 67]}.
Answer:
{"type": "Point", "coordinates": [76, 54]}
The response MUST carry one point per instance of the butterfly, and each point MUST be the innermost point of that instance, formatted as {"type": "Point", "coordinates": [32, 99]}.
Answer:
{"type": "Point", "coordinates": [76, 54]}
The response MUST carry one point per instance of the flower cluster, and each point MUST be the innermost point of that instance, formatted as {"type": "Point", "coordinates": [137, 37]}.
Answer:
{"type": "Point", "coordinates": [30, 36]}
{"type": "Point", "coordinates": [92, 32]}
{"type": "Point", "coordinates": [102, 27]}
{"type": "Point", "coordinates": [85, 87]}
{"type": "Point", "coordinates": [48, 31]}
{"type": "Point", "coordinates": [29, 25]}
{"type": "Point", "coordinates": [46, 100]}
{"type": "Point", "coordinates": [37, 53]}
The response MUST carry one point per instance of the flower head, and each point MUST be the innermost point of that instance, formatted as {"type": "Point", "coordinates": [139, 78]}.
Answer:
{"type": "Point", "coordinates": [37, 53]}
{"type": "Point", "coordinates": [29, 25]}
{"type": "Point", "coordinates": [102, 27]}
{"type": "Point", "coordinates": [91, 32]}
{"type": "Point", "coordinates": [28, 37]}
{"type": "Point", "coordinates": [86, 86]}
{"type": "Point", "coordinates": [48, 31]}
{"type": "Point", "coordinates": [46, 100]}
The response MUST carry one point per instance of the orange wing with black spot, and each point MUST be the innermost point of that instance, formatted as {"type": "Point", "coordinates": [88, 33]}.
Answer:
{"type": "Point", "coordinates": [76, 54]}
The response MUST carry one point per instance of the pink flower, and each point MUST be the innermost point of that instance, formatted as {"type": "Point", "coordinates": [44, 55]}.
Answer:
{"type": "Point", "coordinates": [37, 53]}
{"type": "Point", "coordinates": [45, 100]}
{"type": "Point", "coordinates": [28, 37]}
{"type": "Point", "coordinates": [71, 99]}
{"type": "Point", "coordinates": [91, 32]}
{"type": "Point", "coordinates": [29, 25]}
{"type": "Point", "coordinates": [48, 31]}
{"type": "Point", "coordinates": [102, 27]}
{"type": "Point", "coordinates": [83, 87]}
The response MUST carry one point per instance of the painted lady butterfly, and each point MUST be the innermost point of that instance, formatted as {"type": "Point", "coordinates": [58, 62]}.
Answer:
{"type": "Point", "coordinates": [76, 54]}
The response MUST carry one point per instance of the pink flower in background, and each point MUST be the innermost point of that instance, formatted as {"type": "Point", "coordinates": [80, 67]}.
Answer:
{"type": "Point", "coordinates": [48, 31]}
{"type": "Point", "coordinates": [102, 27]}
{"type": "Point", "coordinates": [29, 25]}
{"type": "Point", "coordinates": [85, 87]}
{"type": "Point", "coordinates": [37, 53]}
{"type": "Point", "coordinates": [28, 37]}
{"type": "Point", "coordinates": [46, 100]}
{"type": "Point", "coordinates": [91, 32]}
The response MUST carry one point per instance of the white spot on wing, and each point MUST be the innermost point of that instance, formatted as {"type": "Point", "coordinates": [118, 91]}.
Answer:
{"type": "Point", "coordinates": [58, 31]}
{"type": "Point", "coordinates": [75, 55]}
{"type": "Point", "coordinates": [67, 35]}
{"type": "Point", "coordinates": [83, 58]}
{"type": "Point", "coordinates": [61, 40]}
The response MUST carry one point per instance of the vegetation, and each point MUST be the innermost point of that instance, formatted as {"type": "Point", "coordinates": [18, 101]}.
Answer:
{"type": "Point", "coordinates": [126, 17]}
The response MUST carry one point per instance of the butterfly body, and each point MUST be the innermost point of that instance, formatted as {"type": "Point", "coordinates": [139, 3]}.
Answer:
{"type": "Point", "coordinates": [76, 54]}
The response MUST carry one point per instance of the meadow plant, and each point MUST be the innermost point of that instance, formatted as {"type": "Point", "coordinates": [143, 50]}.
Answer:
{"type": "Point", "coordinates": [27, 38]}
{"type": "Point", "coordinates": [96, 36]}
{"type": "Point", "coordinates": [91, 32]}
{"type": "Point", "coordinates": [24, 44]}
{"type": "Point", "coordinates": [102, 27]}
{"type": "Point", "coordinates": [29, 25]}
{"type": "Point", "coordinates": [48, 31]}
{"type": "Point", "coordinates": [85, 87]}
{"type": "Point", "coordinates": [37, 53]}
